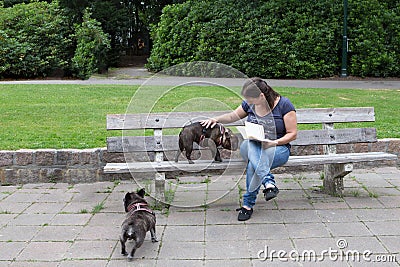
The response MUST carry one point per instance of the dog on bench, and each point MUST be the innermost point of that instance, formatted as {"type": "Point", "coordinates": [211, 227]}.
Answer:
{"type": "Point", "coordinates": [215, 137]}
{"type": "Point", "coordinates": [139, 220]}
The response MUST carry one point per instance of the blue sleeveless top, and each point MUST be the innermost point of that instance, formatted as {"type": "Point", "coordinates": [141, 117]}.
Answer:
{"type": "Point", "coordinates": [274, 126]}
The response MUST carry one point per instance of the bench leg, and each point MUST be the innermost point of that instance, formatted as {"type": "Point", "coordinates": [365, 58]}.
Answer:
{"type": "Point", "coordinates": [333, 177]}
{"type": "Point", "coordinates": [160, 189]}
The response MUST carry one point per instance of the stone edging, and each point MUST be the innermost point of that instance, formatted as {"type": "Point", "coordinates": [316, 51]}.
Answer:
{"type": "Point", "coordinates": [86, 165]}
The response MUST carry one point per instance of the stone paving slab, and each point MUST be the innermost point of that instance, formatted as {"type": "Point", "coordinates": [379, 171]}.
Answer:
{"type": "Point", "coordinates": [79, 225]}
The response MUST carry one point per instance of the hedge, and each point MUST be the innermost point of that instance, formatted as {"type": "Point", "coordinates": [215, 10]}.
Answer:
{"type": "Point", "coordinates": [280, 39]}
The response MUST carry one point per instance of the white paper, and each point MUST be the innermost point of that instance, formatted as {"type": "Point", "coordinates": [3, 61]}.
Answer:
{"type": "Point", "coordinates": [253, 131]}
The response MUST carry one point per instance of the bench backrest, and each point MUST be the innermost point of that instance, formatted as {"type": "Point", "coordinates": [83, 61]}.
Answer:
{"type": "Point", "coordinates": [159, 121]}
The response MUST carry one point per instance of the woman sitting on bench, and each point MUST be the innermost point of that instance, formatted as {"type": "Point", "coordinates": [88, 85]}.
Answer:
{"type": "Point", "coordinates": [280, 126]}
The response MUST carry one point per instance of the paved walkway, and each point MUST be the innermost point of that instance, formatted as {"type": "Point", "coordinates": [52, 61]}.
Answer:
{"type": "Point", "coordinates": [139, 76]}
{"type": "Point", "coordinates": [78, 225]}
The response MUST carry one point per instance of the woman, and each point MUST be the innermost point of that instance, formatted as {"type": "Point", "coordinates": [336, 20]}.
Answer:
{"type": "Point", "coordinates": [262, 105]}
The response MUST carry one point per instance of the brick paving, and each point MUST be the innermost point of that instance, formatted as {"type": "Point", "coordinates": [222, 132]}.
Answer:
{"type": "Point", "coordinates": [56, 224]}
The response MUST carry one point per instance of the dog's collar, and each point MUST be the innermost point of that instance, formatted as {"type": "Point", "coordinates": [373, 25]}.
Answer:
{"type": "Point", "coordinates": [221, 139]}
{"type": "Point", "coordinates": [222, 130]}
{"type": "Point", "coordinates": [138, 207]}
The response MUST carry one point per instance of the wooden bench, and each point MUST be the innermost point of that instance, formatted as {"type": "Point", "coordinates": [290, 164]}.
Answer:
{"type": "Point", "coordinates": [159, 145]}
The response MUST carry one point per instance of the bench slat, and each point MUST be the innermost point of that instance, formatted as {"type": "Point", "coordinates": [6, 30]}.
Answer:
{"type": "Point", "coordinates": [236, 164]}
{"type": "Point", "coordinates": [158, 120]}
{"type": "Point", "coordinates": [179, 119]}
{"type": "Point", "coordinates": [335, 136]}
{"type": "Point", "coordinates": [305, 137]}
{"type": "Point", "coordinates": [335, 115]}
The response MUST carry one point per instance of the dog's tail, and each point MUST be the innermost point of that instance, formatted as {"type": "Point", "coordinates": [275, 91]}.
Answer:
{"type": "Point", "coordinates": [131, 233]}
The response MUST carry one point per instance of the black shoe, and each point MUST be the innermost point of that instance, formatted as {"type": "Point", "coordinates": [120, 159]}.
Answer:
{"type": "Point", "coordinates": [244, 214]}
{"type": "Point", "coordinates": [270, 193]}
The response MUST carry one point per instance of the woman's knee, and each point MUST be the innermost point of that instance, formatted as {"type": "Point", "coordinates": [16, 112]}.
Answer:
{"type": "Point", "coordinates": [281, 157]}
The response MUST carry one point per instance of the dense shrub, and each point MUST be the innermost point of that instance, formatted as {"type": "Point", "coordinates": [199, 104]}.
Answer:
{"type": "Point", "coordinates": [375, 38]}
{"type": "Point", "coordinates": [34, 40]}
{"type": "Point", "coordinates": [280, 39]}
{"type": "Point", "coordinates": [37, 38]}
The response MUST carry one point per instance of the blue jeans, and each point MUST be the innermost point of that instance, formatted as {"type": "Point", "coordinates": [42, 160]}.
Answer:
{"type": "Point", "coordinates": [259, 163]}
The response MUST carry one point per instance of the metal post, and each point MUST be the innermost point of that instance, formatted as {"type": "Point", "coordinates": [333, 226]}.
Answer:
{"type": "Point", "coordinates": [344, 43]}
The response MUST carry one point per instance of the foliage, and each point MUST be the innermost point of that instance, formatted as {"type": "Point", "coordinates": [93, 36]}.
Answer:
{"type": "Point", "coordinates": [92, 47]}
{"type": "Point", "coordinates": [273, 39]}
{"type": "Point", "coordinates": [280, 39]}
{"type": "Point", "coordinates": [37, 39]}
{"type": "Point", "coordinates": [375, 38]}
{"type": "Point", "coordinates": [34, 40]}
{"type": "Point", "coordinates": [123, 20]}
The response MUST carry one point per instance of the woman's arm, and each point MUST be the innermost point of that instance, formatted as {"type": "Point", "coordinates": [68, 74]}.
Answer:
{"type": "Point", "coordinates": [235, 115]}
{"type": "Point", "coordinates": [290, 121]}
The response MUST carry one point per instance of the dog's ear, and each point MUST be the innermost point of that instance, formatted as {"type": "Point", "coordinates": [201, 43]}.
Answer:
{"type": "Point", "coordinates": [127, 200]}
{"type": "Point", "coordinates": [141, 192]}
{"type": "Point", "coordinates": [127, 197]}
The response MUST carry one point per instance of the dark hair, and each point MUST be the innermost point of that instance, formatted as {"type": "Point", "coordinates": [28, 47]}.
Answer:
{"type": "Point", "coordinates": [254, 86]}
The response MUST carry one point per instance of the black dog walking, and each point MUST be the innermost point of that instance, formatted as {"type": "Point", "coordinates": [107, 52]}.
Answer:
{"type": "Point", "coordinates": [139, 220]}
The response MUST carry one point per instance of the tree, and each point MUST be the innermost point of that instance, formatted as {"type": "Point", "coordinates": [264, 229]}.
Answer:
{"type": "Point", "coordinates": [92, 46]}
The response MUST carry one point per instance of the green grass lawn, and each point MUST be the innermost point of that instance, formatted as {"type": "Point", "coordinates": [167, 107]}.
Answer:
{"type": "Point", "coordinates": [74, 116]}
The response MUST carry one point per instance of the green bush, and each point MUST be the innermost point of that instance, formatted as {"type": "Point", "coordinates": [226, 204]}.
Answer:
{"type": "Point", "coordinates": [34, 40]}
{"type": "Point", "coordinates": [280, 39]}
{"type": "Point", "coordinates": [92, 47]}
{"type": "Point", "coordinates": [374, 34]}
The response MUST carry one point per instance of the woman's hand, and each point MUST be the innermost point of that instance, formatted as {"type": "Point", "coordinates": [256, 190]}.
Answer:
{"type": "Point", "coordinates": [269, 144]}
{"type": "Point", "coordinates": [209, 123]}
